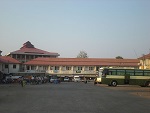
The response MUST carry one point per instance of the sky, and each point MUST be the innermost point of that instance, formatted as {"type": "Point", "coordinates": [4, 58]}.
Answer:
{"type": "Point", "coordinates": [101, 28]}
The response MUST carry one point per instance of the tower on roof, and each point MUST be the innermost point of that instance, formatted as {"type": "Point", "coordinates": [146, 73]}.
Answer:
{"type": "Point", "coordinates": [27, 45]}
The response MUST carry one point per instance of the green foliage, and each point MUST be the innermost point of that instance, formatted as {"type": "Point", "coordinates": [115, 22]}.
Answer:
{"type": "Point", "coordinates": [119, 57]}
{"type": "Point", "coordinates": [82, 54]}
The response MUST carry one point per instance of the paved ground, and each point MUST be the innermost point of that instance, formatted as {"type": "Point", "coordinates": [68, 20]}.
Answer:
{"type": "Point", "coordinates": [69, 98]}
{"type": "Point", "coordinates": [143, 92]}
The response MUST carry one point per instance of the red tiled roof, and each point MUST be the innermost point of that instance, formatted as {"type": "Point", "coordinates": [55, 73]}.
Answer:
{"type": "Point", "coordinates": [28, 48]}
{"type": "Point", "coordinates": [144, 56]}
{"type": "Point", "coordinates": [7, 59]}
{"type": "Point", "coordinates": [2, 60]}
{"type": "Point", "coordinates": [83, 62]}
{"type": "Point", "coordinates": [33, 51]}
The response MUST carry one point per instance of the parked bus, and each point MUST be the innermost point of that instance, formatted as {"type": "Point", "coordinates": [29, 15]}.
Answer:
{"type": "Point", "coordinates": [114, 77]}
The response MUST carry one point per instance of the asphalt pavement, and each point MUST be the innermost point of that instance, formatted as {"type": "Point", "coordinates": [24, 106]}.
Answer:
{"type": "Point", "coordinates": [69, 97]}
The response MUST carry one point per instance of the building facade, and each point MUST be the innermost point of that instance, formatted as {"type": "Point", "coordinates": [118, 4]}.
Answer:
{"type": "Point", "coordinates": [144, 62]}
{"type": "Point", "coordinates": [28, 52]}
{"type": "Point", "coordinates": [83, 67]}
{"type": "Point", "coordinates": [9, 65]}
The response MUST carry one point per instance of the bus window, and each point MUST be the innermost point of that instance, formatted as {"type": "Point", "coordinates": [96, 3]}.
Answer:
{"type": "Point", "coordinates": [105, 72]}
{"type": "Point", "coordinates": [146, 73]}
{"type": "Point", "coordinates": [120, 72]}
{"type": "Point", "coordinates": [112, 72]}
{"type": "Point", "coordinates": [129, 72]}
{"type": "Point", "coordinates": [139, 72]}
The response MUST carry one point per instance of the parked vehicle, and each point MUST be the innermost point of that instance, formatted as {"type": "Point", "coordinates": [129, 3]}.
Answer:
{"type": "Point", "coordinates": [66, 79]}
{"type": "Point", "coordinates": [54, 79]}
{"type": "Point", "coordinates": [76, 78]}
{"type": "Point", "coordinates": [114, 77]}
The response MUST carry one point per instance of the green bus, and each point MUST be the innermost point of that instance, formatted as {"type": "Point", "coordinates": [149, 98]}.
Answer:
{"type": "Point", "coordinates": [114, 77]}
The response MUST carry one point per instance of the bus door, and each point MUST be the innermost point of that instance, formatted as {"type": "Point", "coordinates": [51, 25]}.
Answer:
{"type": "Point", "coordinates": [127, 79]}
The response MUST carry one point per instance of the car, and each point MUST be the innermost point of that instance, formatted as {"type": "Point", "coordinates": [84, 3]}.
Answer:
{"type": "Point", "coordinates": [54, 79]}
{"type": "Point", "coordinates": [66, 79]}
{"type": "Point", "coordinates": [76, 79]}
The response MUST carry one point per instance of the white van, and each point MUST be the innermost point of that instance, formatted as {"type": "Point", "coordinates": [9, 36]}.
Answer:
{"type": "Point", "coordinates": [76, 79]}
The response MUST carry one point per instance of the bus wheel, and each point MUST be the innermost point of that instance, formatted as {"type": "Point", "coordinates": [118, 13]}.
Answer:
{"type": "Point", "coordinates": [114, 83]}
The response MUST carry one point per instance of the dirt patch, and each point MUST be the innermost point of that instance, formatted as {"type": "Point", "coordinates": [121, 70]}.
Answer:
{"type": "Point", "coordinates": [143, 92]}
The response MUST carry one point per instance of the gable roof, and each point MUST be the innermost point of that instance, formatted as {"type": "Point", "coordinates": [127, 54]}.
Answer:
{"type": "Point", "coordinates": [28, 48]}
{"type": "Point", "coordinates": [83, 62]}
{"type": "Point", "coordinates": [8, 59]}
{"type": "Point", "coordinates": [145, 57]}
{"type": "Point", "coordinates": [2, 60]}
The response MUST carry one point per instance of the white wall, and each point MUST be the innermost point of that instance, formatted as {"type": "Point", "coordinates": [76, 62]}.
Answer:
{"type": "Point", "coordinates": [10, 68]}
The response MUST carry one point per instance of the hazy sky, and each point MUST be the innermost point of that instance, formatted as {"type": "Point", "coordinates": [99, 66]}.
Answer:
{"type": "Point", "coordinates": [102, 28]}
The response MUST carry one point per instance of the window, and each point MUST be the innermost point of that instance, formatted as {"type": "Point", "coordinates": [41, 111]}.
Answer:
{"type": "Point", "coordinates": [68, 68]}
{"type": "Point", "coordinates": [91, 68]}
{"type": "Point", "coordinates": [112, 72]}
{"type": "Point", "coordinates": [146, 72]}
{"type": "Point", "coordinates": [45, 68]}
{"type": "Point", "coordinates": [14, 66]}
{"type": "Point", "coordinates": [33, 67]}
{"type": "Point", "coordinates": [56, 67]}
{"type": "Point", "coordinates": [51, 68]}
{"type": "Point", "coordinates": [139, 72]}
{"type": "Point", "coordinates": [79, 68]}
{"type": "Point", "coordinates": [106, 72]}
{"type": "Point", "coordinates": [18, 56]}
{"type": "Point", "coordinates": [97, 68]}
{"type": "Point", "coordinates": [14, 56]}
{"type": "Point", "coordinates": [31, 57]}
{"type": "Point", "coordinates": [23, 57]}
{"type": "Point", "coordinates": [6, 66]}
{"type": "Point", "coordinates": [120, 72]}
{"type": "Point", "coordinates": [28, 67]}
{"type": "Point", "coordinates": [129, 72]}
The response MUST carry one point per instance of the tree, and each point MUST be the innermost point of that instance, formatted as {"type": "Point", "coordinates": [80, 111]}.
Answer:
{"type": "Point", "coordinates": [82, 54]}
{"type": "Point", "coordinates": [119, 57]}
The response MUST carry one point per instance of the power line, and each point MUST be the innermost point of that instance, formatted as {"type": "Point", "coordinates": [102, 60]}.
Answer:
{"type": "Point", "coordinates": [135, 53]}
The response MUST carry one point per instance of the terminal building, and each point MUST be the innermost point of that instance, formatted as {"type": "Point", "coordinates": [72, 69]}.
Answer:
{"type": "Point", "coordinates": [83, 67]}
{"type": "Point", "coordinates": [33, 61]}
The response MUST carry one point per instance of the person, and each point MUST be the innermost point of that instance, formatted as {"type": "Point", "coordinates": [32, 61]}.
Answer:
{"type": "Point", "coordinates": [85, 80]}
{"type": "Point", "coordinates": [95, 81]}
{"type": "Point", "coordinates": [22, 82]}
